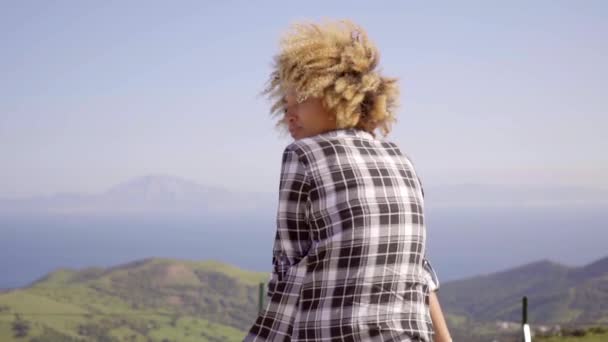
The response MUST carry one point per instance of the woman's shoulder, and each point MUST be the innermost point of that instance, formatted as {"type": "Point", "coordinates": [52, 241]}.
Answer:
{"type": "Point", "coordinates": [340, 142]}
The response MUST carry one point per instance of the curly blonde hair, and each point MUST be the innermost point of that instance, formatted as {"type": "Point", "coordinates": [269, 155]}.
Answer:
{"type": "Point", "coordinates": [336, 62]}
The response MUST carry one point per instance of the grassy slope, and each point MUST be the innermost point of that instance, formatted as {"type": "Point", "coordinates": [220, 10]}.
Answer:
{"type": "Point", "coordinates": [556, 294]}
{"type": "Point", "coordinates": [164, 299]}
{"type": "Point", "coordinates": [93, 302]}
{"type": "Point", "coordinates": [586, 338]}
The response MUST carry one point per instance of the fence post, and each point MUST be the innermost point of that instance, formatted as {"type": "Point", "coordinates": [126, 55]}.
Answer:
{"type": "Point", "coordinates": [261, 299]}
{"type": "Point", "coordinates": [527, 337]}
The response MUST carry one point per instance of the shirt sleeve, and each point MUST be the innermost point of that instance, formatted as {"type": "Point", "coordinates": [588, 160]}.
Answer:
{"type": "Point", "coordinates": [429, 272]}
{"type": "Point", "coordinates": [430, 275]}
{"type": "Point", "coordinates": [291, 244]}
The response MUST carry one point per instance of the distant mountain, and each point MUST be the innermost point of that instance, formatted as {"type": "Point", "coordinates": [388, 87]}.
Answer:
{"type": "Point", "coordinates": [557, 294]}
{"type": "Point", "coordinates": [146, 300]}
{"type": "Point", "coordinates": [531, 196]}
{"type": "Point", "coordinates": [156, 194]}
{"type": "Point", "coordinates": [161, 194]}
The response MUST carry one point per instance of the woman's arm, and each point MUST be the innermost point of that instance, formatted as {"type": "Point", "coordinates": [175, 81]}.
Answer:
{"type": "Point", "coordinates": [292, 241]}
{"type": "Point", "coordinates": [442, 334]}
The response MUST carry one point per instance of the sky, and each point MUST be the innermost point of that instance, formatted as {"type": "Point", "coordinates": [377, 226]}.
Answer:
{"type": "Point", "coordinates": [93, 94]}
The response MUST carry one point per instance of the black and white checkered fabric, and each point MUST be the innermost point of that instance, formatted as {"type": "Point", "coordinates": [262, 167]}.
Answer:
{"type": "Point", "coordinates": [349, 254]}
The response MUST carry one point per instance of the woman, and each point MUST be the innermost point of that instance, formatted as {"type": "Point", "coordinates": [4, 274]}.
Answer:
{"type": "Point", "coordinates": [349, 254]}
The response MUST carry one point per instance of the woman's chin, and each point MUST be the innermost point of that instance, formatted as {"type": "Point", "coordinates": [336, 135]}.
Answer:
{"type": "Point", "coordinates": [296, 134]}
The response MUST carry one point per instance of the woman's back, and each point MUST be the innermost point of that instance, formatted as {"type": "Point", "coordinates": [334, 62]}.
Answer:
{"type": "Point", "coordinates": [350, 242]}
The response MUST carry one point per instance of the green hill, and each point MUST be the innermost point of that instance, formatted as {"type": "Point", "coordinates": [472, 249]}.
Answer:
{"type": "Point", "coordinates": [556, 294]}
{"type": "Point", "coordinates": [147, 300]}
{"type": "Point", "coordinates": [490, 305]}
{"type": "Point", "coordinates": [176, 300]}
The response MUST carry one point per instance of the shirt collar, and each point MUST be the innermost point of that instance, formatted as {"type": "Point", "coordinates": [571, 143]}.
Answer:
{"type": "Point", "coordinates": [345, 132]}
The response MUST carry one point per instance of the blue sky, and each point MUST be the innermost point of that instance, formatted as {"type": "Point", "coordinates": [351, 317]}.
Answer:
{"type": "Point", "coordinates": [96, 93]}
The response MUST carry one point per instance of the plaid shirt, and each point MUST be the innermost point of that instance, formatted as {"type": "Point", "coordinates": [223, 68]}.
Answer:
{"type": "Point", "coordinates": [349, 260]}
